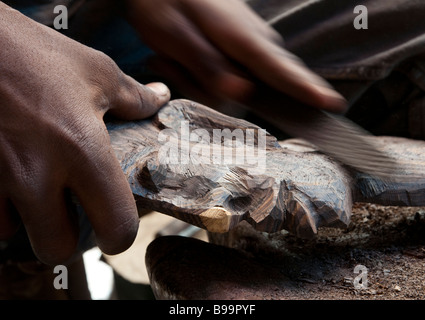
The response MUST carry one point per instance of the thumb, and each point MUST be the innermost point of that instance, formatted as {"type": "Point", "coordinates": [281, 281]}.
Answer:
{"type": "Point", "coordinates": [137, 101]}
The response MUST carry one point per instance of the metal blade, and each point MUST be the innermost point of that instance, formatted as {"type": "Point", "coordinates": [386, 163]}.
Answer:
{"type": "Point", "coordinates": [341, 139]}
{"type": "Point", "coordinates": [333, 134]}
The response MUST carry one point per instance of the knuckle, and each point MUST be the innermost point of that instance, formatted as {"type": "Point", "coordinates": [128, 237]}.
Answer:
{"type": "Point", "coordinates": [100, 60]}
{"type": "Point", "coordinates": [108, 71]}
{"type": "Point", "coordinates": [118, 232]}
{"type": "Point", "coordinates": [105, 79]}
{"type": "Point", "coordinates": [119, 239]}
{"type": "Point", "coordinates": [83, 136]}
{"type": "Point", "coordinates": [27, 182]}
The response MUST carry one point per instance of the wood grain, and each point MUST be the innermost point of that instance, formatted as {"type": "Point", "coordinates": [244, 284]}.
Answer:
{"type": "Point", "coordinates": [291, 185]}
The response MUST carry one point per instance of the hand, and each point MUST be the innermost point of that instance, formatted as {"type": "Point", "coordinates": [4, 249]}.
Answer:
{"type": "Point", "coordinates": [54, 93]}
{"type": "Point", "coordinates": [225, 47]}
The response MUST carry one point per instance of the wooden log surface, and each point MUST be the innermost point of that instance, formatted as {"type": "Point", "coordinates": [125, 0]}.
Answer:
{"type": "Point", "coordinates": [175, 166]}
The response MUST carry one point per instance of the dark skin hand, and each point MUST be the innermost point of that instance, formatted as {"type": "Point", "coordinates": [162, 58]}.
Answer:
{"type": "Point", "coordinates": [54, 93]}
{"type": "Point", "coordinates": [222, 47]}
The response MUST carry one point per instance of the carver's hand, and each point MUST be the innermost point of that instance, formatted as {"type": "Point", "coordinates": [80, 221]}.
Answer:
{"type": "Point", "coordinates": [54, 93]}
{"type": "Point", "coordinates": [223, 45]}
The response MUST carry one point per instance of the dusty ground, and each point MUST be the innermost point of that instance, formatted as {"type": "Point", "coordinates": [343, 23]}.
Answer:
{"type": "Point", "coordinates": [388, 241]}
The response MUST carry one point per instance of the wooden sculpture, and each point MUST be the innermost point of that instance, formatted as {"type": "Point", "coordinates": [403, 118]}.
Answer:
{"type": "Point", "coordinates": [213, 171]}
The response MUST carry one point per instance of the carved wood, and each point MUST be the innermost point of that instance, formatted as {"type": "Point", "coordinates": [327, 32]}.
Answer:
{"type": "Point", "coordinates": [291, 186]}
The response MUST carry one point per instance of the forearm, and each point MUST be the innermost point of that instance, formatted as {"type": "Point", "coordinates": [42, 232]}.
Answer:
{"type": "Point", "coordinates": [18, 34]}
{"type": "Point", "coordinates": [15, 29]}
{"type": "Point", "coordinates": [26, 47]}
{"type": "Point", "coordinates": [10, 19]}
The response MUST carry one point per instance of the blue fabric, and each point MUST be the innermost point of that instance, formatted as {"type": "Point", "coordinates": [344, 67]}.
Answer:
{"type": "Point", "coordinates": [120, 41]}
{"type": "Point", "coordinates": [116, 38]}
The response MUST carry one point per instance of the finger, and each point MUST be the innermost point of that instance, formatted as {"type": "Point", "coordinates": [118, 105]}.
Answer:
{"type": "Point", "coordinates": [236, 13]}
{"type": "Point", "coordinates": [184, 82]}
{"type": "Point", "coordinates": [104, 193]}
{"type": "Point", "coordinates": [136, 101]}
{"type": "Point", "coordinates": [9, 219]}
{"type": "Point", "coordinates": [288, 74]}
{"type": "Point", "coordinates": [262, 54]}
{"type": "Point", "coordinates": [51, 229]}
{"type": "Point", "coordinates": [195, 53]}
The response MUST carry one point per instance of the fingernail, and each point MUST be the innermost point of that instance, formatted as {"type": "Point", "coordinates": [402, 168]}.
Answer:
{"type": "Point", "coordinates": [159, 88]}
{"type": "Point", "coordinates": [334, 101]}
